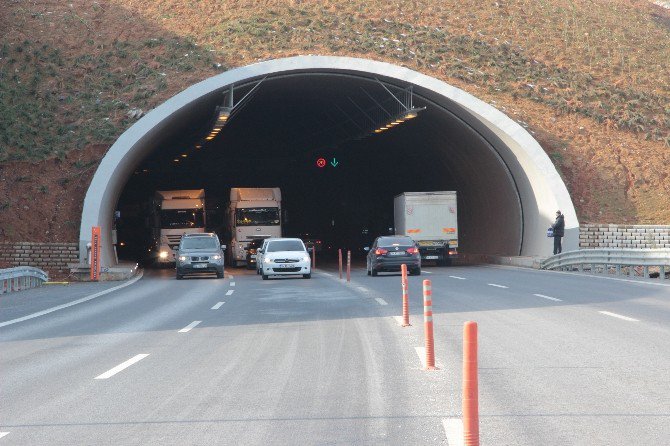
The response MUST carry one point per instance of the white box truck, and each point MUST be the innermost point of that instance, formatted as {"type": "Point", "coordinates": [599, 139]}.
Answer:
{"type": "Point", "coordinates": [173, 214]}
{"type": "Point", "coordinates": [252, 213]}
{"type": "Point", "coordinates": [431, 219]}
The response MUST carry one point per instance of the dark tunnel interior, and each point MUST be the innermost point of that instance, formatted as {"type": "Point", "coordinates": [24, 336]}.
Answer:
{"type": "Point", "coordinates": [274, 138]}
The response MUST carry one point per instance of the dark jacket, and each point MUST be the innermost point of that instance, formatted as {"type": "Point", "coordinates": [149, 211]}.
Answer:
{"type": "Point", "coordinates": [559, 226]}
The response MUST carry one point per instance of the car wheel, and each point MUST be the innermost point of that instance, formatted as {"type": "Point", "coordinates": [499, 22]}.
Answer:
{"type": "Point", "coordinates": [265, 277]}
{"type": "Point", "coordinates": [373, 273]}
{"type": "Point", "coordinates": [367, 269]}
{"type": "Point", "coordinates": [307, 276]}
{"type": "Point", "coordinates": [219, 275]}
{"type": "Point", "coordinates": [233, 263]}
{"type": "Point", "coordinates": [416, 272]}
{"type": "Point", "coordinates": [179, 277]}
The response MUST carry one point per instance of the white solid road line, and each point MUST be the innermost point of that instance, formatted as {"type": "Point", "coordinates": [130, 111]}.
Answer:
{"type": "Point", "coordinates": [625, 318]}
{"type": "Point", "coordinates": [362, 288]}
{"type": "Point", "coordinates": [456, 277]}
{"type": "Point", "coordinates": [381, 301]}
{"type": "Point", "coordinates": [497, 286]}
{"type": "Point", "coordinates": [230, 292]}
{"type": "Point", "coordinates": [421, 352]}
{"type": "Point", "coordinates": [232, 283]}
{"type": "Point", "coordinates": [3, 434]}
{"type": "Point", "coordinates": [217, 306]}
{"type": "Point", "coordinates": [327, 274]}
{"type": "Point", "coordinates": [70, 304]}
{"type": "Point", "coordinates": [189, 327]}
{"type": "Point", "coordinates": [547, 297]}
{"type": "Point", "coordinates": [111, 372]}
{"type": "Point", "coordinates": [453, 428]}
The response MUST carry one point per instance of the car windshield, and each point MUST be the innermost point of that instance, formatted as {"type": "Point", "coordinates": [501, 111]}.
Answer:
{"type": "Point", "coordinates": [285, 245]}
{"type": "Point", "coordinates": [182, 218]}
{"type": "Point", "coordinates": [257, 217]}
{"type": "Point", "coordinates": [199, 243]}
{"type": "Point", "coordinates": [395, 241]}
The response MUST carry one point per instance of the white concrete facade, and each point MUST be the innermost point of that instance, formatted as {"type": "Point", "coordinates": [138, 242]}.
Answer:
{"type": "Point", "coordinates": [539, 186]}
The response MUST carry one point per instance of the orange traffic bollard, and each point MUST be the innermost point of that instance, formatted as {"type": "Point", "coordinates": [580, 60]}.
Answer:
{"type": "Point", "coordinates": [405, 296]}
{"type": "Point", "coordinates": [428, 324]}
{"type": "Point", "coordinates": [339, 256]}
{"type": "Point", "coordinates": [470, 386]}
{"type": "Point", "coordinates": [349, 266]}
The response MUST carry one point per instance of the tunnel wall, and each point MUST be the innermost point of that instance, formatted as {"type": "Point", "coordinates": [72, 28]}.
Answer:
{"type": "Point", "coordinates": [539, 188]}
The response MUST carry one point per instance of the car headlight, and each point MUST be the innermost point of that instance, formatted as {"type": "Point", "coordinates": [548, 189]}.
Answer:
{"type": "Point", "coordinates": [306, 259]}
{"type": "Point", "coordinates": [163, 254]}
{"type": "Point", "coordinates": [182, 258]}
{"type": "Point", "coordinates": [267, 260]}
{"type": "Point", "coordinates": [216, 257]}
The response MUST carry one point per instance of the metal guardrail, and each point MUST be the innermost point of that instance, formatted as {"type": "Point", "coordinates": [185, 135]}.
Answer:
{"type": "Point", "coordinates": [632, 262]}
{"type": "Point", "coordinates": [21, 278]}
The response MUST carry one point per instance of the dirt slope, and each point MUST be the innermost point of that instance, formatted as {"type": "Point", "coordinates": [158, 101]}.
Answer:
{"type": "Point", "coordinates": [590, 79]}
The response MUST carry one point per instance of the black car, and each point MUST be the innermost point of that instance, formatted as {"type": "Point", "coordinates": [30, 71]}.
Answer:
{"type": "Point", "coordinates": [387, 253]}
{"type": "Point", "coordinates": [252, 249]}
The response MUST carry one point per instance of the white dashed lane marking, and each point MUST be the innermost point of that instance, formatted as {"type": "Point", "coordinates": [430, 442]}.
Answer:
{"type": "Point", "coordinates": [230, 292]}
{"type": "Point", "coordinates": [381, 301]}
{"type": "Point", "coordinates": [618, 316]}
{"type": "Point", "coordinates": [548, 297]}
{"type": "Point", "coordinates": [3, 434]}
{"type": "Point", "coordinates": [124, 365]}
{"type": "Point", "coordinates": [217, 306]}
{"type": "Point", "coordinates": [232, 283]}
{"type": "Point", "coordinates": [453, 428]}
{"type": "Point", "coordinates": [456, 277]}
{"type": "Point", "coordinates": [189, 327]}
{"type": "Point", "coordinates": [497, 286]}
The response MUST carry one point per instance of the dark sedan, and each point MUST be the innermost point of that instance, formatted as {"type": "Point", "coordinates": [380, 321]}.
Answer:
{"type": "Point", "coordinates": [387, 253]}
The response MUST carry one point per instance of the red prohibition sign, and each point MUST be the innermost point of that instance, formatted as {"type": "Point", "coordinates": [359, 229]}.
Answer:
{"type": "Point", "coordinates": [321, 162]}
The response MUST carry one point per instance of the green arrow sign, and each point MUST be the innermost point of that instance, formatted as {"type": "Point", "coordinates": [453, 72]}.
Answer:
{"type": "Point", "coordinates": [334, 162]}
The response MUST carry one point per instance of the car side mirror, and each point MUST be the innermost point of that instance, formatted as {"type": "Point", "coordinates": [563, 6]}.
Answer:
{"type": "Point", "coordinates": [366, 249]}
{"type": "Point", "coordinates": [223, 247]}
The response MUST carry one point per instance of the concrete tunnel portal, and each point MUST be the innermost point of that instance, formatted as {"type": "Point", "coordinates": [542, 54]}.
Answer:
{"type": "Point", "coordinates": [301, 108]}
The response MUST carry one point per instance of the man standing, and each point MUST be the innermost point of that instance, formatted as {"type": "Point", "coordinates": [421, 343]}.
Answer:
{"type": "Point", "coordinates": [559, 231]}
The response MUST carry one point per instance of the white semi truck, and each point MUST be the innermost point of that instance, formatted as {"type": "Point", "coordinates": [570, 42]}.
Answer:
{"type": "Point", "coordinates": [173, 214]}
{"type": "Point", "coordinates": [253, 213]}
{"type": "Point", "coordinates": [431, 219]}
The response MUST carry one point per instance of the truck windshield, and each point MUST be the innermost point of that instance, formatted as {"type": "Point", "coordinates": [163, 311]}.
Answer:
{"type": "Point", "coordinates": [257, 216]}
{"type": "Point", "coordinates": [182, 218]}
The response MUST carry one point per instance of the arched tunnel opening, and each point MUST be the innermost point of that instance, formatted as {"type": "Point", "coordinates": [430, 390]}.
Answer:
{"type": "Point", "coordinates": [284, 120]}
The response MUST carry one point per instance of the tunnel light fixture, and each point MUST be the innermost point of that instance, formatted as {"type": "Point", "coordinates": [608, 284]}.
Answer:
{"type": "Point", "coordinates": [176, 160]}
{"type": "Point", "coordinates": [183, 155]}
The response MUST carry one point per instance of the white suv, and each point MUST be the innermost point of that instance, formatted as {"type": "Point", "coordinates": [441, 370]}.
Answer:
{"type": "Point", "coordinates": [285, 256]}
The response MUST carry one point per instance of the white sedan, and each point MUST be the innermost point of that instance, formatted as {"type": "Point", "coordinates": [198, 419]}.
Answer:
{"type": "Point", "coordinates": [285, 256]}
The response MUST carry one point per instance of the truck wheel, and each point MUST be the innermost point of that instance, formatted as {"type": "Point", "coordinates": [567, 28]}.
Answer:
{"type": "Point", "coordinates": [233, 263]}
{"type": "Point", "coordinates": [219, 275]}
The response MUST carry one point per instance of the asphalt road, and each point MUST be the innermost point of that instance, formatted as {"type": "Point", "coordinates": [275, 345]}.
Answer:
{"type": "Point", "coordinates": [565, 359]}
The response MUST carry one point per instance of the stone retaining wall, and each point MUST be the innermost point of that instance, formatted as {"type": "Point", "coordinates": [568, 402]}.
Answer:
{"type": "Point", "coordinates": [50, 257]}
{"type": "Point", "coordinates": [624, 236]}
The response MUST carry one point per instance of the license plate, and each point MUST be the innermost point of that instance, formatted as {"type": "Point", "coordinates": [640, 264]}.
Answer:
{"type": "Point", "coordinates": [199, 265]}
{"type": "Point", "coordinates": [397, 253]}
{"type": "Point", "coordinates": [252, 256]}
{"type": "Point", "coordinates": [286, 265]}
{"type": "Point", "coordinates": [431, 257]}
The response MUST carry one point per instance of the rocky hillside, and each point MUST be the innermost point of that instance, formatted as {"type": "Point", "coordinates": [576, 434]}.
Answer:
{"type": "Point", "coordinates": [590, 79]}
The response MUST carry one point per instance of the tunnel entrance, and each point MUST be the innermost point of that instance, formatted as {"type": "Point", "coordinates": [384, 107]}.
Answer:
{"type": "Point", "coordinates": [302, 109]}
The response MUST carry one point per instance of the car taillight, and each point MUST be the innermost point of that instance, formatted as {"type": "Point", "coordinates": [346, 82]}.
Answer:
{"type": "Point", "coordinates": [381, 251]}
{"type": "Point", "coordinates": [412, 251]}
